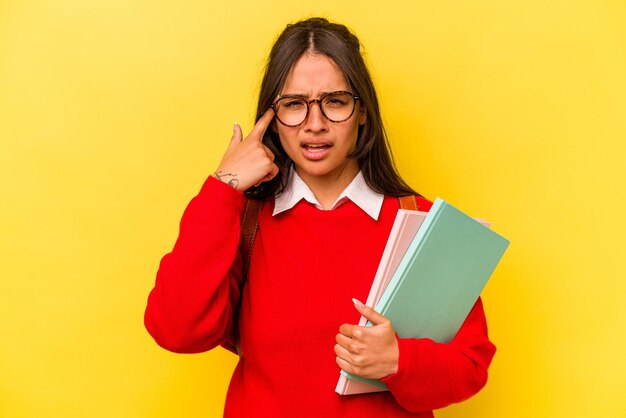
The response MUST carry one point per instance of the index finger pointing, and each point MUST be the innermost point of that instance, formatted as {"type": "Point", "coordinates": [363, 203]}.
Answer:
{"type": "Point", "coordinates": [261, 125]}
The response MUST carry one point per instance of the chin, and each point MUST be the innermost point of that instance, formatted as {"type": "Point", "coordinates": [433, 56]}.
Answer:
{"type": "Point", "coordinates": [313, 172]}
{"type": "Point", "coordinates": [320, 169]}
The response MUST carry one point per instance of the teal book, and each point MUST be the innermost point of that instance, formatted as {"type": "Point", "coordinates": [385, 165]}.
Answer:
{"type": "Point", "coordinates": [440, 277]}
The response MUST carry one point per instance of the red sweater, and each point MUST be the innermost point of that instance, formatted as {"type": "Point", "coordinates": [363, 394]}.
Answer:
{"type": "Point", "coordinates": [306, 265]}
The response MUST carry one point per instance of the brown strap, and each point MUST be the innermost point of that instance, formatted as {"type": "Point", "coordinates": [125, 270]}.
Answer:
{"type": "Point", "coordinates": [408, 203]}
{"type": "Point", "coordinates": [249, 225]}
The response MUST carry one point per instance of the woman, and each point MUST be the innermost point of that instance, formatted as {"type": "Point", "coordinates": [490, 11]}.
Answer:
{"type": "Point", "coordinates": [319, 161]}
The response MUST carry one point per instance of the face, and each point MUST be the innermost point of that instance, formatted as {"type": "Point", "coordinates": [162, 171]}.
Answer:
{"type": "Point", "coordinates": [318, 147]}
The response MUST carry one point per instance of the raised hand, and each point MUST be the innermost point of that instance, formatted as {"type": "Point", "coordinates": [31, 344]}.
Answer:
{"type": "Point", "coordinates": [248, 162]}
{"type": "Point", "coordinates": [370, 352]}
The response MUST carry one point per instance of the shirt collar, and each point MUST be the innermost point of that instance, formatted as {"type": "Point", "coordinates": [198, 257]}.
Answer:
{"type": "Point", "coordinates": [357, 191]}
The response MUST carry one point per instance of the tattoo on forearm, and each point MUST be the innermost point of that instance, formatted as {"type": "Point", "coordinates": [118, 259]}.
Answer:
{"type": "Point", "coordinates": [232, 181]}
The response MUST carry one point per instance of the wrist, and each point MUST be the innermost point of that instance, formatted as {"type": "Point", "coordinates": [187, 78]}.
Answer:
{"type": "Point", "coordinates": [395, 357]}
{"type": "Point", "coordinates": [229, 178]}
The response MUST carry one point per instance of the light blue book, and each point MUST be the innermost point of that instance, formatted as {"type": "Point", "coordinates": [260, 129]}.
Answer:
{"type": "Point", "coordinates": [440, 277]}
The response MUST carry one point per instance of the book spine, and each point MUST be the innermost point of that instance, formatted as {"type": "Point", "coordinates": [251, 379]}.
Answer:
{"type": "Point", "coordinates": [400, 274]}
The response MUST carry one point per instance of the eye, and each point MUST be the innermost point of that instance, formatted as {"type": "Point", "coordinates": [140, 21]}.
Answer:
{"type": "Point", "coordinates": [336, 100]}
{"type": "Point", "coordinates": [293, 104]}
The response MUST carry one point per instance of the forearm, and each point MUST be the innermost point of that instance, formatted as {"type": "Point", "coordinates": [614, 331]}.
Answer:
{"type": "Point", "coordinates": [190, 307]}
{"type": "Point", "coordinates": [433, 375]}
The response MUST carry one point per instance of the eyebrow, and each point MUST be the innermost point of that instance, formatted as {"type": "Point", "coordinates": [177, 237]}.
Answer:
{"type": "Point", "coordinates": [304, 96]}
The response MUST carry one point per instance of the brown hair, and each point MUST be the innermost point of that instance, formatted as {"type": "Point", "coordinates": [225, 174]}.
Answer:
{"type": "Point", "coordinates": [373, 154]}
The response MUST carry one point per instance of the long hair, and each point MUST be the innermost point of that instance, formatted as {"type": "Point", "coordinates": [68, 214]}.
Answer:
{"type": "Point", "coordinates": [373, 154]}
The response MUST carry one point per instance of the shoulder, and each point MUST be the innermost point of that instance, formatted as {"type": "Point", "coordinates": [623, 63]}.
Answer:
{"type": "Point", "coordinates": [423, 204]}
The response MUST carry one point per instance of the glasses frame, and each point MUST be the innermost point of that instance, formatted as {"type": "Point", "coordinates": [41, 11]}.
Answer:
{"type": "Point", "coordinates": [310, 102]}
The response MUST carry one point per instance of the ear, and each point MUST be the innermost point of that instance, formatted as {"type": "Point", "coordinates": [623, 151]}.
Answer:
{"type": "Point", "coordinates": [362, 114]}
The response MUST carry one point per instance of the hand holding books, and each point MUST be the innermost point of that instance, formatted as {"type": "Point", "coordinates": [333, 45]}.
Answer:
{"type": "Point", "coordinates": [370, 352]}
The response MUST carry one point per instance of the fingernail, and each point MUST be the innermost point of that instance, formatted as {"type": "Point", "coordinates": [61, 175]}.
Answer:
{"type": "Point", "coordinates": [357, 303]}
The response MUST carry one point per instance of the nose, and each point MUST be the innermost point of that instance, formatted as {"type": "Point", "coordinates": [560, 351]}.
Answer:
{"type": "Point", "coordinates": [315, 121]}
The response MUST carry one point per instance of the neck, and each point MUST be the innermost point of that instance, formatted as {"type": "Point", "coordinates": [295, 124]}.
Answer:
{"type": "Point", "coordinates": [328, 187]}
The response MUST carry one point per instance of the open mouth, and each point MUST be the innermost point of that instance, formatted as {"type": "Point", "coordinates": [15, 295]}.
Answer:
{"type": "Point", "coordinates": [315, 147]}
{"type": "Point", "coordinates": [315, 152]}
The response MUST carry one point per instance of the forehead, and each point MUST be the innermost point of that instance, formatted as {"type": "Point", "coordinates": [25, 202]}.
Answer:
{"type": "Point", "coordinates": [314, 74]}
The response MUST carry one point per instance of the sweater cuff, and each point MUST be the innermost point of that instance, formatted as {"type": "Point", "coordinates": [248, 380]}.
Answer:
{"type": "Point", "coordinates": [220, 191]}
{"type": "Point", "coordinates": [408, 361]}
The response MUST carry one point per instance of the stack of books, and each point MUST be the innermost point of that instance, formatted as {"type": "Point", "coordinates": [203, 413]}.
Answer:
{"type": "Point", "coordinates": [432, 271]}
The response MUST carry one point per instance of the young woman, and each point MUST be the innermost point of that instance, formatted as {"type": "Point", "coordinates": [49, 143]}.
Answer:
{"type": "Point", "coordinates": [318, 161]}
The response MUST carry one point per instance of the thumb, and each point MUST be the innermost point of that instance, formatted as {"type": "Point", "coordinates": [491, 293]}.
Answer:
{"type": "Point", "coordinates": [236, 138]}
{"type": "Point", "coordinates": [369, 313]}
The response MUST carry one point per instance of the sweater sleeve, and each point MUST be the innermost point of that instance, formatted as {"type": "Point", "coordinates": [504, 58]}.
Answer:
{"type": "Point", "coordinates": [190, 308]}
{"type": "Point", "coordinates": [432, 375]}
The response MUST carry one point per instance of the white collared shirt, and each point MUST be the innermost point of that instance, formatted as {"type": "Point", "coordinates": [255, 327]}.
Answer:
{"type": "Point", "coordinates": [357, 191]}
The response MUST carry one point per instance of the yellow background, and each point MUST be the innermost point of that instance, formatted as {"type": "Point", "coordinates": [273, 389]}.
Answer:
{"type": "Point", "coordinates": [112, 113]}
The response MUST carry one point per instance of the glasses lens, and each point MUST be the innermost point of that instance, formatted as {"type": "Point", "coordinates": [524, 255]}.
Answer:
{"type": "Point", "coordinates": [338, 106]}
{"type": "Point", "coordinates": [291, 110]}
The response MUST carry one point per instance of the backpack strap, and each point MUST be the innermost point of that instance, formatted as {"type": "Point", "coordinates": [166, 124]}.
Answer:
{"type": "Point", "coordinates": [249, 225]}
{"type": "Point", "coordinates": [408, 203]}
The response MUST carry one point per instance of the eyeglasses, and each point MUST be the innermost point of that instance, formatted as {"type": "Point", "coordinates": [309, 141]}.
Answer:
{"type": "Point", "coordinates": [336, 106]}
